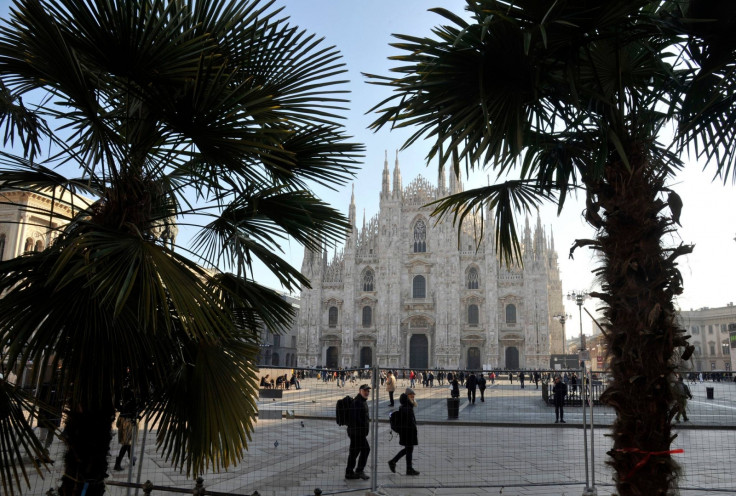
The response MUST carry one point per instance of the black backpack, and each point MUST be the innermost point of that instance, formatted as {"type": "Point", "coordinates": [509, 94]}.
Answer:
{"type": "Point", "coordinates": [342, 410]}
{"type": "Point", "coordinates": [393, 420]}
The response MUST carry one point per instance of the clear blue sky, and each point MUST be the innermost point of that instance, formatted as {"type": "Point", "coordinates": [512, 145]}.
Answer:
{"type": "Point", "coordinates": [362, 31]}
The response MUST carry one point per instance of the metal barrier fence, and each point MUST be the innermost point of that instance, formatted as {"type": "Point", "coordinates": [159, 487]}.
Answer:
{"type": "Point", "coordinates": [507, 439]}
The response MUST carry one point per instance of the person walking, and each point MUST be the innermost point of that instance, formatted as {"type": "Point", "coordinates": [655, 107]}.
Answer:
{"type": "Point", "coordinates": [455, 391]}
{"type": "Point", "coordinates": [522, 378]}
{"type": "Point", "coordinates": [471, 384]}
{"type": "Point", "coordinates": [390, 387]}
{"type": "Point", "coordinates": [127, 425]}
{"type": "Point", "coordinates": [682, 394]}
{"type": "Point", "coordinates": [49, 419]}
{"type": "Point", "coordinates": [482, 386]}
{"type": "Point", "coordinates": [408, 437]}
{"type": "Point", "coordinates": [559, 390]}
{"type": "Point", "coordinates": [358, 428]}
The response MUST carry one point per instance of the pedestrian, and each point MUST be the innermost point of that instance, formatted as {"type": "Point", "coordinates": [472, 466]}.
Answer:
{"type": "Point", "coordinates": [471, 384]}
{"type": "Point", "coordinates": [358, 427]}
{"type": "Point", "coordinates": [390, 387]}
{"type": "Point", "coordinates": [462, 377]}
{"type": "Point", "coordinates": [127, 425]}
{"type": "Point", "coordinates": [455, 392]}
{"type": "Point", "coordinates": [682, 394]}
{"type": "Point", "coordinates": [559, 390]}
{"type": "Point", "coordinates": [536, 379]}
{"type": "Point", "coordinates": [493, 378]}
{"type": "Point", "coordinates": [574, 383]}
{"type": "Point", "coordinates": [521, 379]}
{"type": "Point", "coordinates": [408, 437]}
{"type": "Point", "coordinates": [49, 419]}
{"type": "Point", "coordinates": [482, 386]}
{"type": "Point", "coordinates": [412, 378]}
{"type": "Point", "coordinates": [511, 378]}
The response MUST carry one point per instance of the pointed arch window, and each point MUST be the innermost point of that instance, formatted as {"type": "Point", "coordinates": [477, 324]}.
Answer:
{"type": "Point", "coordinates": [332, 317]}
{"type": "Point", "coordinates": [420, 237]}
{"type": "Point", "coordinates": [473, 317]}
{"type": "Point", "coordinates": [39, 246]}
{"type": "Point", "coordinates": [511, 314]}
{"type": "Point", "coordinates": [367, 316]}
{"type": "Point", "coordinates": [29, 246]}
{"type": "Point", "coordinates": [473, 281]}
{"type": "Point", "coordinates": [419, 287]}
{"type": "Point", "coordinates": [368, 276]}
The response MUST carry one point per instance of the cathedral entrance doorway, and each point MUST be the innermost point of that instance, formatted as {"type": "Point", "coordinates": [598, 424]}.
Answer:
{"type": "Point", "coordinates": [366, 356]}
{"type": "Point", "coordinates": [331, 358]}
{"type": "Point", "coordinates": [419, 352]}
{"type": "Point", "coordinates": [512, 357]}
{"type": "Point", "coordinates": [473, 358]}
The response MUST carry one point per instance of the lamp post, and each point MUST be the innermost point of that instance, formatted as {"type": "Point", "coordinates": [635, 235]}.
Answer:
{"type": "Point", "coordinates": [562, 318]}
{"type": "Point", "coordinates": [579, 297]}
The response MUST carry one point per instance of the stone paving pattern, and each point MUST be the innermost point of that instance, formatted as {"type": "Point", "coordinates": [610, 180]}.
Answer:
{"type": "Point", "coordinates": [508, 445]}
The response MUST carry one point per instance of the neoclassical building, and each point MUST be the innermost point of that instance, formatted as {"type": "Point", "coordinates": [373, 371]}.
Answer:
{"type": "Point", "coordinates": [407, 291]}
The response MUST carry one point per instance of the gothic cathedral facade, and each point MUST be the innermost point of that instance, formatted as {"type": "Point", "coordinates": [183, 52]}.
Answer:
{"type": "Point", "coordinates": [405, 293]}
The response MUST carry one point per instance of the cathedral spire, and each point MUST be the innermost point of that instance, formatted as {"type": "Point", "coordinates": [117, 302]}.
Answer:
{"type": "Point", "coordinates": [351, 210]}
{"type": "Point", "coordinates": [385, 186]}
{"type": "Point", "coordinates": [527, 239]}
{"type": "Point", "coordinates": [441, 181]}
{"type": "Point", "coordinates": [539, 238]}
{"type": "Point", "coordinates": [397, 177]}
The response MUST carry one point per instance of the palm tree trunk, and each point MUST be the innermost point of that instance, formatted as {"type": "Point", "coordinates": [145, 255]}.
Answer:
{"type": "Point", "coordinates": [88, 434]}
{"type": "Point", "coordinates": [639, 279]}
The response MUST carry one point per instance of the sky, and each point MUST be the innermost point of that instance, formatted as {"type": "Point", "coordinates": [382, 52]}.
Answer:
{"type": "Point", "coordinates": [362, 31]}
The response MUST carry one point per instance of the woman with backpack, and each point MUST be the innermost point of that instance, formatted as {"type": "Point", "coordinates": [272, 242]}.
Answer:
{"type": "Point", "coordinates": [408, 437]}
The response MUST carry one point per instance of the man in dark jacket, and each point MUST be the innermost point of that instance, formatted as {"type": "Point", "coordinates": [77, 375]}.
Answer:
{"type": "Point", "coordinates": [471, 384]}
{"type": "Point", "coordinates": [358, 426]}
{"type": "Point", "coordinates": [559, 391]}
{"type": "Point", "coordinates": [482, 386]}
{"type": "Point", "coordinates": [407, 432]}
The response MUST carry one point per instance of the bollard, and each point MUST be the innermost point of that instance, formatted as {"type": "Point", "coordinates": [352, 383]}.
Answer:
{"type": "Point", "coordinates": [453, 408]}
{"type": "Point", "coordinates": [317, 491]}
{"type": "Point", "coordinates": [709, 393]}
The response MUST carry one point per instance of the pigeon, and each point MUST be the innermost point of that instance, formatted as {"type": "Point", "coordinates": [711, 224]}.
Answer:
{"type": "Point", "coordinates": [302, 422]}
{"type": "Point", "coordinates": [275, 444]}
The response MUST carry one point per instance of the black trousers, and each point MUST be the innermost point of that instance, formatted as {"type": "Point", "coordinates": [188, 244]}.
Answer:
{"type": "Point", "coordinates": [391, 398]}
{"type": "Point", "coordinates": [471, 395]}
{"type": "Point", "coordinates": [482, 391]}
{"type": "Point", "coordinates": [409, 452]}
{"type": "Point", "coordinates": [559, 412]}
{"type": "Point", "coordinates": [358, 446]}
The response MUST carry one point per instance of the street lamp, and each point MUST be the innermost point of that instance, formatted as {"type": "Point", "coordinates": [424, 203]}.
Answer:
{"type": "Point", "coordinates": [562, 318]}
{"type": "Point", "coordinates": [579, 297]}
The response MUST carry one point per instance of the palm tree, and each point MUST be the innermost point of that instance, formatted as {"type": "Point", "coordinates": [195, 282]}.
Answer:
{"type": "Point", "coordinates": [579, 96]}
{"type": "Point", "coordinates": [213, 115]}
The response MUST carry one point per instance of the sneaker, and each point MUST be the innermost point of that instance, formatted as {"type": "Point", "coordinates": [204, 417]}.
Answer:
{"type": "Point", "coordinates": [562, 422]}
{"type": "Point", "coordinates": [411, 471]}
{"type": "Point", "coordinates": [392, 466]}
{"type": "Point", "coordinates": [350, 475]}
{"type": "Point", "coordinates": [557, 421]}
{"type": "Point", "coordinates": [361, 475]}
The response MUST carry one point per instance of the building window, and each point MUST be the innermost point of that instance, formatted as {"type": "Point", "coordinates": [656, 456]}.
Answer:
{"type": "Point", "coordinates": [275, 359]}
{"type": "Point", "coordinates": [472, 282]}
{"type": "Point", "coordinates": [697, 350]}
{"type": "Point", "coordinates": [724, 328]}
{"type": "Point", "coordinates": [367, 316]}
{"type": "Point", "coordinates": [511, 314]}
{"type": "Point", "coordinates": [419, 287]}
{"type": "Point", "coordinates": [473, 315]}
{"type": "Point", "coordinates": [712, 348]}
{"type": "Point", "coordinates": [725, 348]}
{"type": "Point", "coordinates": [710, 329]}
{"type": "Point", "coordinates": [420, 237]}
{"type": "Point", "coordinates": [332, 317]}
{"type": "Point", "coordinates": [712, 365]}
{"type": "Point", "coordinates": [293, 341]}
{"type": "Point", "coordinates": [2, 247]}
{"type": "Point", "coordinates": [39, 246]}
{"type": "Point", "coordinates": [696, 330]}
{"type": "Point", "coordinates": [29, 246]}
{"type": "Point", "coordinates": [368, 280]}
{"type": "Point", "coordinates": [276, 341]}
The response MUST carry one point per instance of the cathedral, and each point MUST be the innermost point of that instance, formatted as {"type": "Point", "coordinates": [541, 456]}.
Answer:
{"type": "Point", "coordinates": [405, 292]}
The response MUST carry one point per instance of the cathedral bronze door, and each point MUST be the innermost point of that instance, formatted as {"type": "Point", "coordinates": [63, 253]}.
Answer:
{"type": "Point", "coordinates": [331, 359]}
{"type": "Point", "coordinates": [366, 356]}
{"type": "Point", "coordinates": [512, 357]}
{"type": "Point", "coordinates": [473, 359]}
{"type": "Point", "coordinates": [419, 352]}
